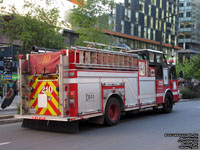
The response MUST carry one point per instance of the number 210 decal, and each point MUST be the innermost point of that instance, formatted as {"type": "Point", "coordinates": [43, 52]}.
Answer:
{"type": "Point", "coordinates": [47, 89]}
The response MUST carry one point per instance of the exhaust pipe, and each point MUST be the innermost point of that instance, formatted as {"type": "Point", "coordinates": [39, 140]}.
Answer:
{"type": "Point", "coordinates": [42, 49]}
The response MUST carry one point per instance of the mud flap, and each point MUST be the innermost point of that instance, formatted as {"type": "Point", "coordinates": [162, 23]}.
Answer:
{"type": "Point", "coordinates": [56, 126]}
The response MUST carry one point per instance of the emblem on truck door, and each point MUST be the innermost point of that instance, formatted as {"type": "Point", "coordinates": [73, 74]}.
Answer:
{"type": "Point", "coordinates": [89, 97]}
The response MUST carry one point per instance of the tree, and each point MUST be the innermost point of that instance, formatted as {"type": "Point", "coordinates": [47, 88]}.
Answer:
{"type": "Point", "coordinates": [186, 68]}
{"type": "Point", "coordinates": [195, 61]}
{"type": "Point", "coordinates": [36, 26]}
{"type": "Point", "coordinates": [89, 19]}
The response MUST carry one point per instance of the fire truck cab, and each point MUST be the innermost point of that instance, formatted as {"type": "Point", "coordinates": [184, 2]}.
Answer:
{"type": "Point", "coordinates": [83, 83]}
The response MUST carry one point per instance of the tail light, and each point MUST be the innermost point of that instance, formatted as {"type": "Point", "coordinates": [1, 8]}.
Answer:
{"type": "Point", "coordinates": [71, 101]}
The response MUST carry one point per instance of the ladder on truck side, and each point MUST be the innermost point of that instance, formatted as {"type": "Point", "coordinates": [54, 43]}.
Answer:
{"type": "Point", "coordinates": [104, 59]}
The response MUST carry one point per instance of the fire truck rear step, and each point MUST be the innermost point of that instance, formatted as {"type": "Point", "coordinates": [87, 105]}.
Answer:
{"type": "Point", "coordinates": [56, 126]}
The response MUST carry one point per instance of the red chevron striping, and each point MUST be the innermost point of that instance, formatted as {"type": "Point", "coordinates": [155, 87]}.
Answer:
{"type": "Point", "coordinates": [55, 96]}
{"type": "Point", "coordinates": [31, 83]}
{"type": "Point", "coordinates": [39, 110]}
{"type": "Point", "coordinates": [55, 83]}
{"type": "Point", "coordinates": [35, 103]}
{"type": "Point", "coordinates": [47, 112]}
{"type": "Point", "coordinates": [35, 90]}
{"type": "Point", "coordinates": [54, 107]}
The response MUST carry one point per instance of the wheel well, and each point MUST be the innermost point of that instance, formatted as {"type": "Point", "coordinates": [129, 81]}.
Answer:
{"type": "Point", "coordinates": [170, 92]}
{"type": "Point", "coordinates": [119, 99]}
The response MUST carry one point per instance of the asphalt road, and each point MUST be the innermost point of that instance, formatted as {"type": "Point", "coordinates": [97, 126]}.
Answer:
{"type": "Point", "coordinates": [135, 132]}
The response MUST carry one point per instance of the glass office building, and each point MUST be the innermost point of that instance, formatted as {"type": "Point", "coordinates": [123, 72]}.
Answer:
{"type": "Point", "coordinates": [146, 24]}
{"type": "Point", "coordinates": [189, 26]}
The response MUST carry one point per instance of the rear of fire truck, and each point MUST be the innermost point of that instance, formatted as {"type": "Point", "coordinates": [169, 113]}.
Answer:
{"type": "Point", "coordinates": [41, 95]}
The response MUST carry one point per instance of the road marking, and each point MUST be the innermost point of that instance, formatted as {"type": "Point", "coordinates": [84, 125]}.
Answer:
{"type": "Point", "coordinates": [5, 143]}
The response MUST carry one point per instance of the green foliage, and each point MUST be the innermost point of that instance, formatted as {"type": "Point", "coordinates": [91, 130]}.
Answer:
{"type": "Point", "coordinates": [195, 61]}
{"type": "Point", "coordinates": [90, 19]}
{"type": "Point", "coordinates": [191, 69]}
{"type": "Point", "coordinates": [186, 68]}
{"type": "Point", "coordinates": [189, 93]}
{"type": "Point", "coordinates": [36, 26]}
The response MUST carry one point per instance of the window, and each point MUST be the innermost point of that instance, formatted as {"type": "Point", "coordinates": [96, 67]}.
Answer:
{"type": "Point", "coordinates": [122, 26]}
{"type": "Point", "coordinates": [157, 12]}
{"type": "Point", "coordinates": [160, 25]}
{"type": "Point", "coordinates": [127, 14]}
{"type": "Point", "coordinates": [188, 35]}
{"type": "Point", "coordinates": [161, 4]}
{"type": "Point", "coordinates": [181, 36]}
{"type": "Point", "coordinates": [159, 58]}
{"type": "Point", "coordinates": [181, 15]}
{"type": "Point", "coordinates": [188, 14]}
{"type": "Point", "coordinates": [151, 22]}
{"type": "Point", "coordinates": [151, 57]}
{"type": "Point", "coordinates": [141, 6]}
{"type": "Point", "coordinates": [167, 6]}
{"type": "Point", "coordinates": [154, 35]}
{"type": "Point", "coordinates": [153, 2]}
{"type": "Point", "coordinates": [189, 25]}
{"type": "Point", "coordinates": [163, 14]}
{"type": "Point", "coordinates": [156, 24]}
{"type": "Point", "coordinates": [145, 33]}
{"type": "Point", "coordinates": [132, 29]}
{"type": "Point", "coordinates": [149, 33]}
{"type": "Point", "coordinates": [136, 17]}
{"type": "Point", "coordinates": [139, 31]}
{"type": "Point", "coordinates": [114, 12]}
{"type": "Point", "coordinates": [164, 38]}
{"type": "Point", "coordinates": [188, 3]}
{"type": "Point", "coordinates": [149, 10]}
{"type": "Point", "coordinates": [169, 39]}
{"type": "Point", "coordinates": [145, 20]}
{"type": "Point", "coordinates": [181, 4]}
{"type": "Point", "coordinates": [164, 26]}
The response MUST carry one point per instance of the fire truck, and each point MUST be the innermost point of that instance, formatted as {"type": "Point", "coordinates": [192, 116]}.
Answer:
{"type": "Point", "coordinates": [58, 89]}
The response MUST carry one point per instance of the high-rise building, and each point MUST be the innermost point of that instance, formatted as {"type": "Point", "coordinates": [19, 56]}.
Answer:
{"type": "Point", "coordinates": [189, 28]}
{"type": "Point", "coordinates": [146, 24]}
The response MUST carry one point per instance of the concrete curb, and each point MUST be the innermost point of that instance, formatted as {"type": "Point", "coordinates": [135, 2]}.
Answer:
{"type": "Point", "coordinates": [8, 119]}
{"type": "Point", "coordinates": [187, 100]}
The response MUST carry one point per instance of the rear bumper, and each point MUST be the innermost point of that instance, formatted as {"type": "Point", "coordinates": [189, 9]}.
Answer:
{"type": "Point", "coordinates": [56, 118]}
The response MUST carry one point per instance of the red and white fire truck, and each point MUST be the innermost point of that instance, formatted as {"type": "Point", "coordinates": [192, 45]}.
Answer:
{"type": "Point", "coordinates": [85, 83]}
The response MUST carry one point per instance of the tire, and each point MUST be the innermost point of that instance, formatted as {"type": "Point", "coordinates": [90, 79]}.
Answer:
{"type": "Point", "coordinates": [112, 112]}
{"type": "Point", "coordinates": [168, 104]}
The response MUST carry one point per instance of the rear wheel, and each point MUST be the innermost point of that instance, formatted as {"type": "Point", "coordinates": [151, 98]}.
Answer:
{"type": "Point", "coordinates": [112, 112]}
{"type": "Point", "coordinates": [168, 104]}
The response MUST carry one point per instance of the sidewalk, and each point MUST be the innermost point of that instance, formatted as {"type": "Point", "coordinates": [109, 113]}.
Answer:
{"type": "Point", "coordinates": [7, 114]}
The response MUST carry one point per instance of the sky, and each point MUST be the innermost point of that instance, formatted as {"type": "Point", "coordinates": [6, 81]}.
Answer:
{"type": "Point", "coordinates": [62, 5]}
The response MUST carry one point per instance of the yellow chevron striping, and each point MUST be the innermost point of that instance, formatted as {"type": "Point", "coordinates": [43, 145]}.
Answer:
{"type": "Point", "coordinates": [36, 93]}
{"type": "Point", "coordinates": [53, 100]}
{"type": "Point", "coordinates": [51, 110]}
{"type": "Point", "coordinates": [43, 111]}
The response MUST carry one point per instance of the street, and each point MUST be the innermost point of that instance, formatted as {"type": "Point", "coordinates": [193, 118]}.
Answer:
{"type": "Point", "coordinates": [135, 132]}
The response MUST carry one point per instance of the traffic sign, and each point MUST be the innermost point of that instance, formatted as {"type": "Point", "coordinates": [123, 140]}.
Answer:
{"type": "Point", "coordinates": [7, 76]}
{"type": "Point", "coordinates": [7, 65]}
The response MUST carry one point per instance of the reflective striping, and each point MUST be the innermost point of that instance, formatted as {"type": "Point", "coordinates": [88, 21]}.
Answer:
{"type": "Point", "coordinates": [175, 93]}
{"type": "Point", "coordinates": [45, 87]}
{"type": "Point", "coordinates": [159, 95]}
{"type": "Point", "coordinates": [147, 78]}
{"type": "Point", "coordinates": [147, 96]}
{"type": "Point", "coordinates": [106, 74]}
